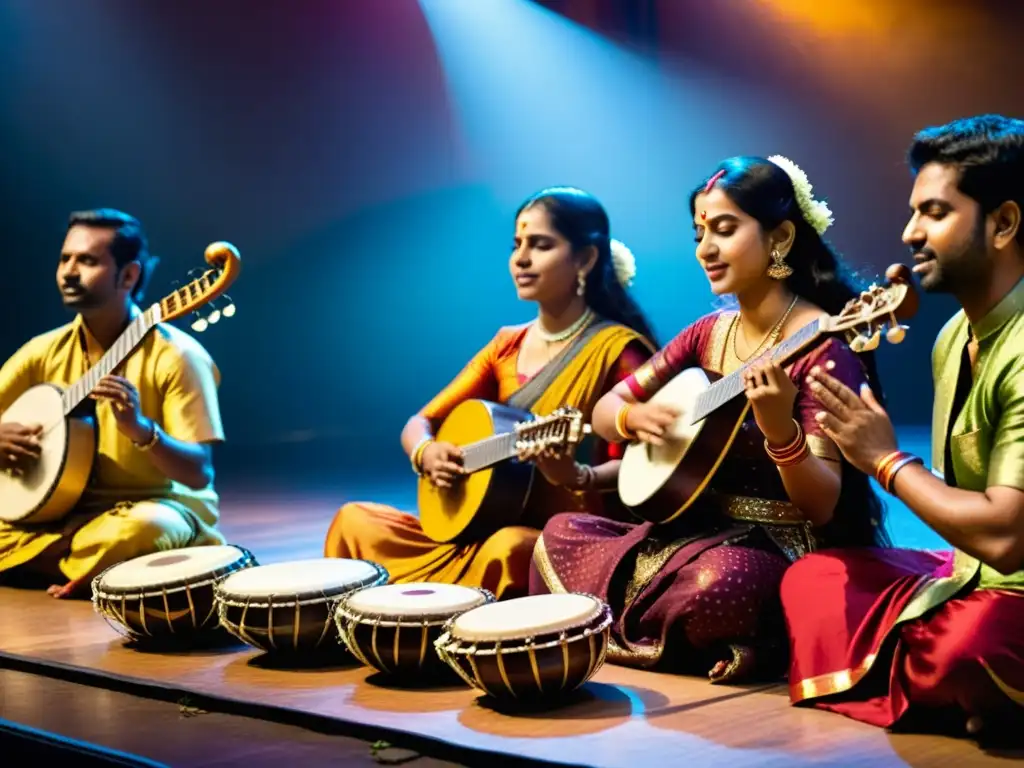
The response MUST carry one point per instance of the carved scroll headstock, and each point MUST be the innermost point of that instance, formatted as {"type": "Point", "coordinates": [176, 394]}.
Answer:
{"type": "Point", "coordinates": [225, 266]}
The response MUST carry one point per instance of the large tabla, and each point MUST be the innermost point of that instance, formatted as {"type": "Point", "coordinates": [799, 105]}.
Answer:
{"type": "Point", "coordinates": [393, 627]}
{"type": "Point", "coordinates": [530, 649]}
{"type": "Point", "coordinates": [289, 607]}
{"type": "Point", "coordinates": [167, 596]}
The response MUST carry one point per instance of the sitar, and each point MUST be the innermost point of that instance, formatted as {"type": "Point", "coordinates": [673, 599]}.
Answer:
{"type": "Point", "coordinates": [53, 485]}
{"type": "Point", "coordinates": [659, 483]}
{"type": "Point", "coordinates": [496, 487]}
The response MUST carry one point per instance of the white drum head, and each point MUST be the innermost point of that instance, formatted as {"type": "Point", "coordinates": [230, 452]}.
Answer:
{"type": "Point", "coordinates": [416, 599]}
{"type": "Point", "coordinates": [171, 566]}
{"type": "Point", "coordinates": [318, 576]}
{"type": "Point", "coordinates": [525, 617]}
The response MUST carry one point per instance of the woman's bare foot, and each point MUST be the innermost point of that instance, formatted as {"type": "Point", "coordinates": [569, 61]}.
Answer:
{"type": "Point", "coordinates": [70, 591]}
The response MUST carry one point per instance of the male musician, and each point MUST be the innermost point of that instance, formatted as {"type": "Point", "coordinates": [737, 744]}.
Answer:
{"type": "Point", "coordinates": [152, 482]}
{"type": "Point", "coordinates": [878, 635]}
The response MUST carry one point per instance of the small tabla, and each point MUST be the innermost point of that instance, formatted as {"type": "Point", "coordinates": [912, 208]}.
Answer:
{"type": "Point", "coordinates": [167, 596]}
{"type": "Point", "coordinates": [289, 607]}
{"type": "Point", "coordinates": [393, 627]}
{"type": "Point", "coordinates": [530, 649]}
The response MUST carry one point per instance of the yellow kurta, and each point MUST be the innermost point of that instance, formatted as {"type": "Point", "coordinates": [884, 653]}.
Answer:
{"type": "Point", "coordinates": [129, 508]}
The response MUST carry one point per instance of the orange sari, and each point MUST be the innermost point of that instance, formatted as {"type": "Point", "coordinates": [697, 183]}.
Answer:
{"type": "Point", "coordinates": [605, 354]}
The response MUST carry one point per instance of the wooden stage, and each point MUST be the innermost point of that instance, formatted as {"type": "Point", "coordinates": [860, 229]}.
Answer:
{"type": "Point", "coordinates": [623, 717]}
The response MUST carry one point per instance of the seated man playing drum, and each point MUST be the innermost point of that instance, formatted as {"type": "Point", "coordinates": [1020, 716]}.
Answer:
{"type": "Point", "coordinates": [151, 486]}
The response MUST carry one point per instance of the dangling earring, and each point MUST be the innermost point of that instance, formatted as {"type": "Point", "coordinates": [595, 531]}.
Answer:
{"type": "Point", "coordinates": [779, 269]}
{"type": "Point", "coordinates": [581, 283]}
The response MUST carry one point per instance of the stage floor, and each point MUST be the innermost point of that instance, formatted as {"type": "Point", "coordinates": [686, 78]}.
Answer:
{"type": "Point", "coordinates": [623, 717]}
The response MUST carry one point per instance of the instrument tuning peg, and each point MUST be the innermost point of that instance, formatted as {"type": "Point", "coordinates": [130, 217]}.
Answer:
{"type": "Point", "coordinates": [873, 341]}
{"type": "Point", "coordinates": [858, 342]}
{"type": "Point", "coordinates": [200, 324]}
{"type": "Point", "coordinates": [896, 334]}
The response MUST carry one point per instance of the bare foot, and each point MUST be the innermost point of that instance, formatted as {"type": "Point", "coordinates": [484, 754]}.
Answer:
{"type": "Point", "coordinates": [718, 670]}
{"type": "Point", "coordinates": [71, 590]}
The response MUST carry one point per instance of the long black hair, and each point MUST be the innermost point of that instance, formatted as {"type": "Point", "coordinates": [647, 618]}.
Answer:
{"type": "Point", "coordinates": [765, 192]}
{"type": "Point", "coordinates": [581, 219]}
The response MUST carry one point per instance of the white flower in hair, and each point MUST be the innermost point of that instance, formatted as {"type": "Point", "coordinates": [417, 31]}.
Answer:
{"type": "Point", "coordinates": [623, 262]}
{"type": "Point", "coordinates": [815, 212]}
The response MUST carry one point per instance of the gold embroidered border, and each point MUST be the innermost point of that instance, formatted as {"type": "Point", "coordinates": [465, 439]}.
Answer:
{"type": "Point", "coordinates": [751, 509]}
{"type": "Point", "coordinates": [646, 376]}
{"type": "Point", "coordinates": [545, 568]}
{"type": "Point", "coordinates": [714, 358]}
{"type": "Point", "coordinates": [823, 448]}
{"type": "Point", "coordinates": [1013, 694]}
{"type": "Point", "coordinates": [930, 593]}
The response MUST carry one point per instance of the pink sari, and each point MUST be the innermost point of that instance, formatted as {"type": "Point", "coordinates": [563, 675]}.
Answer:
{"type": "Point", "coordinates": [703, 591]}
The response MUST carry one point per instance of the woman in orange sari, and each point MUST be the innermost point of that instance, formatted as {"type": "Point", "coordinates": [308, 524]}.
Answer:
{"type": "Point", "coordinates": [589, 335]}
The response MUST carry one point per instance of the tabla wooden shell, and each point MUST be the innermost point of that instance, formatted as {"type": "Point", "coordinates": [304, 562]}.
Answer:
{"type": "Point", "coordinates": [393, 628]}
{"type": "Point", "coordinates": [539, 648]}
{"type": "Point", "coordinates": [289, 607]}
{"type": "Point", "coordinates": [168, 597]}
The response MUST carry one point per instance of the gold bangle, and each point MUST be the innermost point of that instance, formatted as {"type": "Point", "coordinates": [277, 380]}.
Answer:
{"type": "Point", "coordinates": [620, 422]}
{"type": "Point", "coordinates": [416, 457]}
{"type": "Point", "coordinates": [153, 439]}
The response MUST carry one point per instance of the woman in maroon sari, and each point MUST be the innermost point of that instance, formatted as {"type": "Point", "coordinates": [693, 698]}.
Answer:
{"type": "Point", "coordinates": [701, 594]}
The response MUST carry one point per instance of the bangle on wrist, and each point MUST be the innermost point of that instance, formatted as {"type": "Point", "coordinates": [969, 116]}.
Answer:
{"type": "Point", "coordinates": [154, 438]}
{"type": "Point", "coordinates": [620, 422]}
{"type": "Point", "coordinates": [792, 453]}
{"type": "Point", "coordinates": [416, 457]}
{"type": "Point", "coordinates": [890, 464]}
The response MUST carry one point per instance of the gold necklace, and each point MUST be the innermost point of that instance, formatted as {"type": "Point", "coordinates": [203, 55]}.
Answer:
{"type": "Point", "coordinates": [770, 338]}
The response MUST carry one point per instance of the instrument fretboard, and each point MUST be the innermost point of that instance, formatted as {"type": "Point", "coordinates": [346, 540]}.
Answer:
{"type": "Point", "coordinates": [730, 386]}
{"type": "Point", "coordinates": [126, 343]}
{"type": "Point", "coordinates": [489, 451]}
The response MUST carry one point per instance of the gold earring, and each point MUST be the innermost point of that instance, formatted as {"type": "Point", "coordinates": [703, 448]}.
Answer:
{"type": "Point", "coordinates": [581, 283]}
{"type": "Point", "coordinates": [779, 269]}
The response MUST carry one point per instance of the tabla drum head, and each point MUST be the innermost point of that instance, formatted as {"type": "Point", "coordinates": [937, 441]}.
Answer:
{"type": "Point", "coordinates": [315, 578]}
{"type": "Point", "coordinates": [526, 617]}
{"type": "Point", "coordinates": [415, 600]}
{"type": "Point", "coordinates": [170, 568]}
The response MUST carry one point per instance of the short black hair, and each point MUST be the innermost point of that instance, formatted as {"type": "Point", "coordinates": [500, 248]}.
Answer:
{"type": "Point", "coordinates": [129, 243]}
{"type": "Point", "coordinates": [988, 151]}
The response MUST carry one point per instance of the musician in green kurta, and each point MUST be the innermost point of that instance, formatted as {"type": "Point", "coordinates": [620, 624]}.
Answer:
{"type": "Point", "coordinates": [152, 482]}
{"type": "Point", "coordinates": [885, 636]}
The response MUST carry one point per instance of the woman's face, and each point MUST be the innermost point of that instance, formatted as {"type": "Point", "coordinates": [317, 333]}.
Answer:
{"type": "Point", "coordinates": [732, 247]}
{"type": "Point", "coordinates": [542, 264]}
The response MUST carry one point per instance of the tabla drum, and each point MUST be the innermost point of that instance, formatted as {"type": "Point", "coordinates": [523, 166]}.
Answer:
{"type": "Point", "coordinates": [167, 596]}
{"type": "Point", "coordinates": [289, 607]}
{"type": "Point", "coordinates": [393, 627]}
{"type": "Point", "coordinates": [532, 650]}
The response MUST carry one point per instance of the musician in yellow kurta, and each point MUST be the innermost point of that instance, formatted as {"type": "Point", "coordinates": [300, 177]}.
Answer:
{"type": "Point", "coordinates": [156, 419]}
{"type": "Point", "coordinates": [588, 336]}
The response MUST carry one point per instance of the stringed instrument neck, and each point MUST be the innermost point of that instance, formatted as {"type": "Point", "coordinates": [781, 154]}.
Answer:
{"type": "Point", "coordinates": [489, 451]}
{"type": "Point", "coordinates": [731, 385]}
{"type": "Point", "coordinates": [202, 290]}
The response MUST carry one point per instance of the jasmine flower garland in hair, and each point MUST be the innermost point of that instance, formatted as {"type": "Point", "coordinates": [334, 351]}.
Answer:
{"type": "Point", "coordinates": [815, 212]}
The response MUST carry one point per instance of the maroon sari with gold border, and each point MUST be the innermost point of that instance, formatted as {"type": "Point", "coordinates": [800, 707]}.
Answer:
{"type": "Point", "coordinates": [704, 588]}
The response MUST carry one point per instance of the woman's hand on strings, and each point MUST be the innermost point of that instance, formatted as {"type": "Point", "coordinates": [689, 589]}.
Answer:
{"type": "Point", "coordinates": [442, 463]}
{"type": "Point", "coordinates": [772, 395]}
{"type": "Point", "coordinates": [651, 421]}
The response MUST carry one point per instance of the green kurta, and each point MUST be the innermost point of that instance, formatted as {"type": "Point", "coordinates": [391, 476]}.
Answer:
{"type": "Point", "coordinates": [986, 443]}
